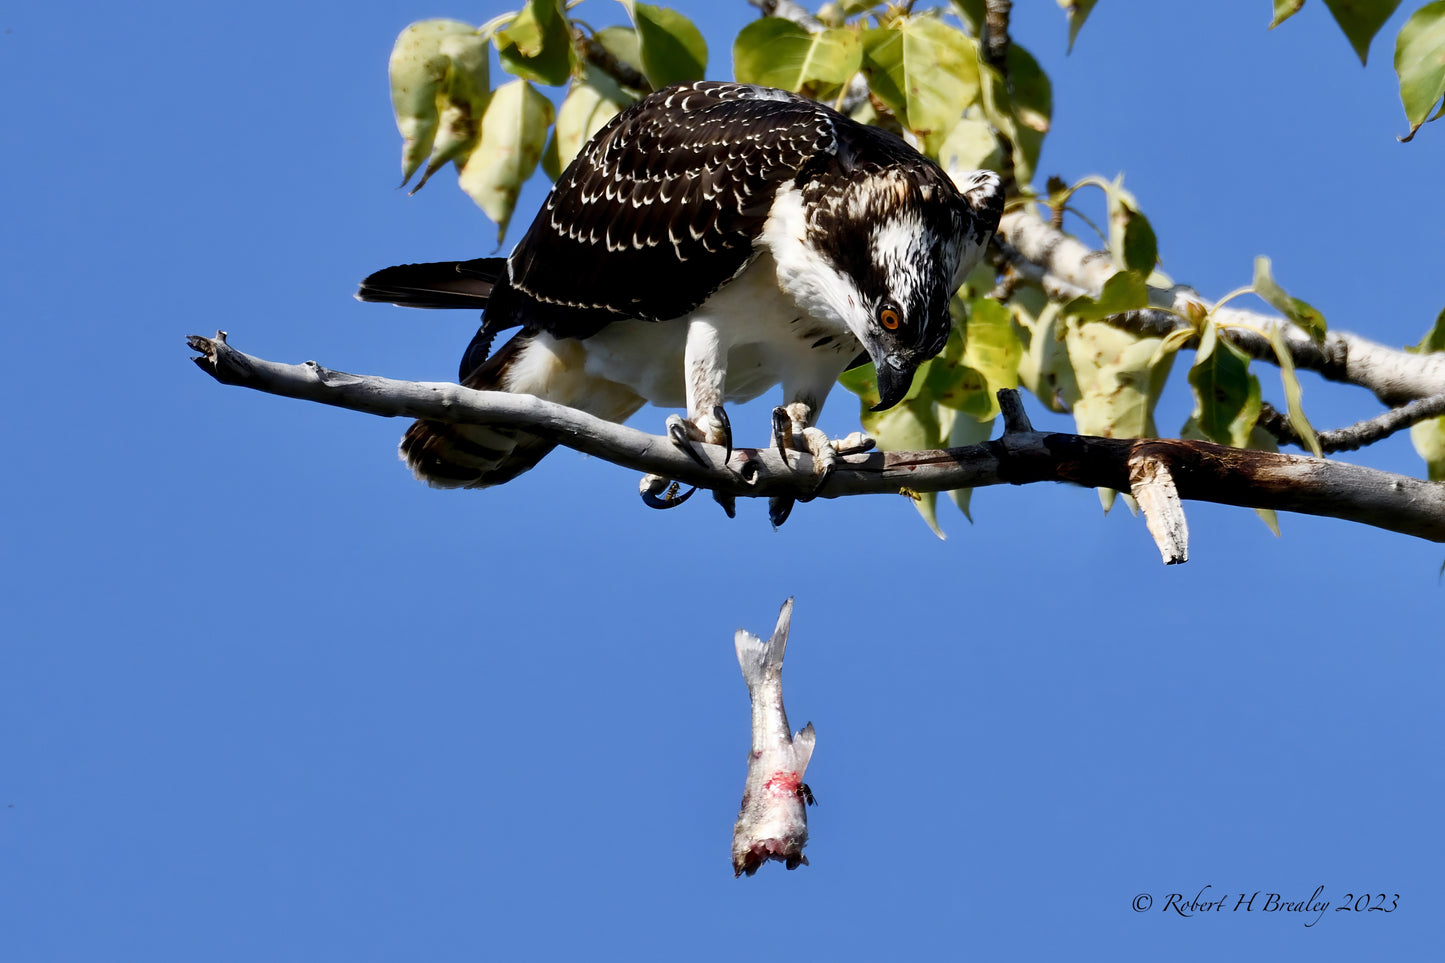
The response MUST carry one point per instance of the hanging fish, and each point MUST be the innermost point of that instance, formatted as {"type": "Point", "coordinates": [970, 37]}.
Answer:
{"type": "Point", "coordinates": [773, 821]}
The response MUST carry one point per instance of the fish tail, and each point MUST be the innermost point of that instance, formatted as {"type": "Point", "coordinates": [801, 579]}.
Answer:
{"type": "Point", "coordinates": [761, 660]}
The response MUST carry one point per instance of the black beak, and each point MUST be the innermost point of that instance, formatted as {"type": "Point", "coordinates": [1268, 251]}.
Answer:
{"type": "Point", "coordinates": [893, 384]}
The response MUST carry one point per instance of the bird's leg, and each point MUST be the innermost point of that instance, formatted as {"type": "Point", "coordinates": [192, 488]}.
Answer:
{"type": "Point", "coordinates": [705, 373]}
{"type": "Point", "coordinates": [793, 428]}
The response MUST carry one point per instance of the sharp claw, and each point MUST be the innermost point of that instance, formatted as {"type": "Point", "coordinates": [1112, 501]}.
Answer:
{"type": "Point", "coordinates": [677, 431]}
{"type": "Point", "coordinates": [779, 509]}
{"type": "Point", "coordinates": [670, 499]}
{"type": "Point", "coordinates": [823, 477]}
{"type": "Point", "coordinates": [719, 413]}
{"type": "Point", "coordinates": [782, 433]}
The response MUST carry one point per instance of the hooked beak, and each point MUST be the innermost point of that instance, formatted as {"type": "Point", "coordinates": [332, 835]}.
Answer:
{"type": "Point", "coordinates": [893, 384]}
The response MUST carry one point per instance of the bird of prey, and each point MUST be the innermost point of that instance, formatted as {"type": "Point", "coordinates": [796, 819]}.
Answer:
{"type": "Point", "coordinates": [711, 241]}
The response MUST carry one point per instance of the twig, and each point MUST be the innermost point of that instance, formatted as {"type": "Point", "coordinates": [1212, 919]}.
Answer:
{"type": "Point", "coordinates": [995, 54]}
{"type": "Point", "coordinates": [1065, 267]}
{"type": "Point", "coordinates": [600, 57]}
{"type": "Point", "coordinates": [1361, 433]}
{"type": "Point", "coordinates": [995, 34]}
{"type": "Point", "coordinates": [1201, 470]}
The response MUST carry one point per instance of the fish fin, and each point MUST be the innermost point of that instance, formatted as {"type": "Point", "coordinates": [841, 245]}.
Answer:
{"type": "Point", "coordinates": [757, 657]}
{"type": "Point", "coordinates": [803, 748]}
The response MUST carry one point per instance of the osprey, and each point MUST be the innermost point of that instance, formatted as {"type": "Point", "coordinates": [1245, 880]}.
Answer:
{"type": "Point", "coordinates": [711, 241]}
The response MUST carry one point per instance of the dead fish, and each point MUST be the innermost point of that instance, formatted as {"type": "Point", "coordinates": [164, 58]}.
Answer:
{"type": "Point", "coordinates": [773, 821]}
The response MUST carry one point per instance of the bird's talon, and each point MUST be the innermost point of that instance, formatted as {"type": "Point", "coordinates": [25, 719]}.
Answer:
{"type": "Point", "coordinates": [721, 416]}
{"type": "Point", "coordinates": [677, 431]}
{"type": "Point", "coordinates": [782, 433]}
{"type": "Point", "coordinates": [669, 499]}
{"type": "Point", "coordinates": [779, 509]}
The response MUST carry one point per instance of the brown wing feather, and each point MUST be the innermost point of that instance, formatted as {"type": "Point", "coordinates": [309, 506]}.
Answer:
{"type": "Point", "coordinates": [661, 207]}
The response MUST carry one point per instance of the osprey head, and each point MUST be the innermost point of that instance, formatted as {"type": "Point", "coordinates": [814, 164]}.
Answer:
{"type": "Point", "coordinates": [901, 242]}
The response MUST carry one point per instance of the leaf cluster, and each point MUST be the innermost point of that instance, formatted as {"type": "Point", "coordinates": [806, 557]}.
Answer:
{"type": "Point", "coordinates": [924, 74]}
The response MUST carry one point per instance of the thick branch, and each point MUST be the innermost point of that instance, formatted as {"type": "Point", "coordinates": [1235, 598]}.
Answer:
{"type": "Point", "coordinates": [1066, 267]}
{"type": "Point", "coordinates": [1200, 470]}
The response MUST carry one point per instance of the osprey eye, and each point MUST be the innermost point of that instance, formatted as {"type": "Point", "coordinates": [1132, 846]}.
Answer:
{"type": "Point", "coordinates": [889, 317]}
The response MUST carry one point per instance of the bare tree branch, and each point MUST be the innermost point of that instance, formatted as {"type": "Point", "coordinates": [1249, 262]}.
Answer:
{"type": "Point", "coordinates": [1200, 470]}
{"type": "Point", "coordinates": [1359, 434]}
{"type": "Point", "coordinates": [1065, 267]}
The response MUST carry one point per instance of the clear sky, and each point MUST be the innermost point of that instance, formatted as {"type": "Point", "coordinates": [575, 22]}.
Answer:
{"type": "Point", "coordinates": [265, 697]}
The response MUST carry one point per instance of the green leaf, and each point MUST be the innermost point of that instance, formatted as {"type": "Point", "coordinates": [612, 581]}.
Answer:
{"type": "Point", "coordinates": [1420, 64]}
{"type": "Point", "coordinates": [971, 12]}
{"type": "Point", "coordinates": [463, 99]}
{"type": "Point", "coordinates": [1140, 246]}
{"type": "Point", "coordinates": [925, 71]}
{"type": "Point", "coordinates": [1119, 377]}
{"type": "Point", "coordinates": [417, 70]}
{"type": "Point", "coordinates": [524, 34]}
{"type": "Point", "coordinates": [1434, 339]}
{"type": "Point", "coordinates": [537, 45]}
{"type": "Point", "coordinates": [971, 145]}
{"type": "Point", "coordinates": [1300, 312]}
{"type": "Point", "coordinates": [981, 357]}
{"type": "Point", "coordinates": [966, 431]}
{"type": "Point", "coordinates": [1428, 436]}
{"type": "Point", "coordinates": [670, 47]}
{"type": "Point", "coordinates": [514, 133]}
{"type": "Point", "coordinates": [1078, 11]}
{"type": "Point", "coordinates": [1022, 109]}
{"type": "Point", "coordinates": [1125, 291]}
{"type": "Point", "coordinates": [1227, 397]}
{"type": "Point", "coordinates": [581, 115]}
{"type": "Point", "coordinates": [1033, 93]}
{"type": "Point", "coordinates": [1361, 20]}
{"type": "Point", "coordinates": [780, 53]}
{"type": "Point", "coordinates": [1132, 244]}
{"type": "Point", "coordinates": [914, 424]}
{"type": "Point", "coordinates": [1293, 392]}
{"type": "Point", "coordinates": [1283, 10]}
{"type": "Point", "coordinates": [622, 43]}
{"type": "Point", "coordinates": [1045, 368]}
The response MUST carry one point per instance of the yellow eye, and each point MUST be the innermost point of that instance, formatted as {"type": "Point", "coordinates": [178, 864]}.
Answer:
{"type": "Point", "coordinates": [890, 318]}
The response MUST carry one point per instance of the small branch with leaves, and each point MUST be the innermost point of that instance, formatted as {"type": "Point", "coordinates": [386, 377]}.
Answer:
{"type": "Point", "coordinates": [1160, 472]}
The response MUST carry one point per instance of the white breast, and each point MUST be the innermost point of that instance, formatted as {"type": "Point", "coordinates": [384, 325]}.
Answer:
{"type": "Point", "coordinates": [765, 335]}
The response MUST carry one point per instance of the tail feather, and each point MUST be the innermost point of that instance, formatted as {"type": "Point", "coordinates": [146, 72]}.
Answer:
{"type": "Point", "coordinates": [439, 284]}
{"type": "Point", "coordinates": [479, 456]}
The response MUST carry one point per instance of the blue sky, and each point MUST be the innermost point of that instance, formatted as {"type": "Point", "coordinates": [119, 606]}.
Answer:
{"type": "Point", "coordinates": [263, 696]}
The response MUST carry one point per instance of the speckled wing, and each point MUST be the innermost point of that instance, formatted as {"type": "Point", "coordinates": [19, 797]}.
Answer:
{"type": "Point", "coordinates": [661, 207]}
